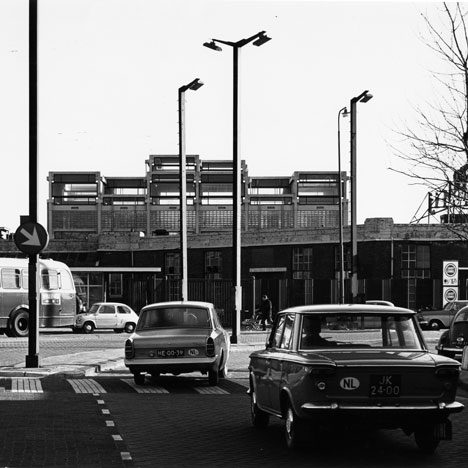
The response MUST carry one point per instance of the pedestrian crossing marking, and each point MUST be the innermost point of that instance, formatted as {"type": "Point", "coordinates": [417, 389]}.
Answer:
{"type": "Point", "coordinates": [26, 385]}
{"type": "Point", "coordinates": [86, 386]}
{"type": "Point", "coordinates": [210, 390]}
{"type": "Point", "coordinates": [144, 388]}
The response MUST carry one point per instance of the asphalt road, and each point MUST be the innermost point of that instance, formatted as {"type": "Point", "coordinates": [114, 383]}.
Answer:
{"type": "Point", "coordinates": [103, 421]}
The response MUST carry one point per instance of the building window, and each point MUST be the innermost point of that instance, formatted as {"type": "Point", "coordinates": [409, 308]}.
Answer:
{"type": "Point", "coordinates": [302, 263]}
{"type": "Point", "coordinates": [115, 285]}
{"type": "Point", "coordinates": [415, 261]}
{"type": "Point", "coordinates": [172, 264]}
{"type": "Point", "coordinates": [213, 264]}
{"type": "Point", "coordinates": [346, 258]}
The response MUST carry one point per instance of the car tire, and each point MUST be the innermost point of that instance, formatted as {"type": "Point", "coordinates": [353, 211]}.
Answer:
{"type": "Point", "coordinates": [129, 327]}
{"type": "Point", "coordinates": [223, 372]}
{"type": "Point", "coordinates": [19, 323]}
{"type": "Point", "coordinates": [139, 378]}
{"type": "Point", "coordinates": [260, 419]}
{"type": "Point", "coordinates": [294, 429]}
{"type": "Point", "coordinates": [425, 440]}
{"type": "Point", "coordinates": [435, 325]}
{"type": "Point", "coordinates": [213, 377]}
{"type": "Point", "coordinates": [88, 327]}
{"type": "Point", "coordinates": [155, 375]}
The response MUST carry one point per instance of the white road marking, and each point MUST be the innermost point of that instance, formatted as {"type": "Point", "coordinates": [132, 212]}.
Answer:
{"type": "Point", "coordinates": [86, 386]}
{"type": "Point", "coordinates": [144, 388]}
{"type": "Point", "coordinates": [26, 385]}
{"type": "Point", "coordinates": [211, 390]}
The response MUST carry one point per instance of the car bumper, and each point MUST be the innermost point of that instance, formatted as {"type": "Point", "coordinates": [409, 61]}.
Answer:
{"type": "Point", "coordinates": [385, 416]}
{"type": "Point", "coordinates": [179, 365]}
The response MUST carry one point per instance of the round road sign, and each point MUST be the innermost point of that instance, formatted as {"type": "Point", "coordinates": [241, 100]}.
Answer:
{"type": "Point", "coordinates": [31, 238]}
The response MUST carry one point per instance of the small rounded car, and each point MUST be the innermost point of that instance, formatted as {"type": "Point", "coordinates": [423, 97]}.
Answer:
{"type": "Point", "coordinates": [102, 315]}
{"type": "Point", "coordinates": [178, 337]}
{"type": "Point", "coordinates": [453, 340]}
{"type": "Point", "coordinates": [355, 366]}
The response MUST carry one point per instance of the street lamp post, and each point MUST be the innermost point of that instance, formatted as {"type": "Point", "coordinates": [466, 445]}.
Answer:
{"type": "Point", "coordinates": [342, 112]}
{"type": "Point", "coordinates": [193, 85]}
{"type": "Point", "coordinates": [363, 97]}
{"type": "Point", "coordinates": [258, 40]}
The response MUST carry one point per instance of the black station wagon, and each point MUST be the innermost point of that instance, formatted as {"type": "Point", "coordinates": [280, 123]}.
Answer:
{"type": "Point", "coordinates": [363, 366]}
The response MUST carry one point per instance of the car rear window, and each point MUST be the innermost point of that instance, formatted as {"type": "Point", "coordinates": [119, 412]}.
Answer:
{"type": "Point", "coordinates": [174, 317]}
{"type": "Point", "coordinates": [355, 331]}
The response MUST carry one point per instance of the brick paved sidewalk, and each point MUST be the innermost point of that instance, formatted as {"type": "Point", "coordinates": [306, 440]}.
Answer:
{"type": "Point", "coordinates": [40, 431]}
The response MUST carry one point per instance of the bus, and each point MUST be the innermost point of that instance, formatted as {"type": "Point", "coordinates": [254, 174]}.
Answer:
{"type": "Point", "coordinates": [57, 296]}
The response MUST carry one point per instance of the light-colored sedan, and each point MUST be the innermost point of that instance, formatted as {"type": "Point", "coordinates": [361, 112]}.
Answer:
{"type": "Point", "coordinates": [178, 337]}
{"type": "Point", "coordinates": [102, 315]}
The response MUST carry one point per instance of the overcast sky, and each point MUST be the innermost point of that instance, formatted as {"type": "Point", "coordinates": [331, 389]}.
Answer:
{"type": "Point", "coordinates": [109, 73]}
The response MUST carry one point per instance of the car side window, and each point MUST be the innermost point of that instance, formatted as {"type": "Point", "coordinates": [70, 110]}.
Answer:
{"type": "Point", "coordinates": [287, 333]}
{"type": "Point", "coordinates": [277, 332]}
{"type": "Point", "coordinates": [107, 309]}
{"type": "Point", "coordinates": [122, 310]}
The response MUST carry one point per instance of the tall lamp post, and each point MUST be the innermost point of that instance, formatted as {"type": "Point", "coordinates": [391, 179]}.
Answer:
{"type": "Point", "coordinates": [363, 97]}
{"type": "Point", "coordinates": [193, 85]}
{"type": "Point", "coordinates": [258, 40]}
{"type": "Point", "coordinates": [342, 112]}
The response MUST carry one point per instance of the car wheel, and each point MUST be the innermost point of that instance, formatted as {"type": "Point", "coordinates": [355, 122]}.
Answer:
{"type": "Point", "coordinates": [435, 325]}
{"type": "Point", "coordinates": [293, 428]}
{"type": "Point", "coordinates": [139, 378]}
{"type": "Point", "coordinates": [155, 375]}
{"type": "Point", "coordinates": [19, 323]}
{"type": "Point", "coordinates": [129, 327]}
{"type": "Point", "coordinates": [425, 440]}
{"type": "Point", "coordinates": [88, 327]}
{"type": "Point", "coordinates": [260, 419]}
{"type": "Point", "coordinates": [213, 377]}
{"type": "Point", "coordinates": [223, 372]}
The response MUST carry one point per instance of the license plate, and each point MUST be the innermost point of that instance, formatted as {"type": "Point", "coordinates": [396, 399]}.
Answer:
{"type": "Point", "coordinates": [169, 353]}
{"type": "Point", "coordinates": [385, 385]}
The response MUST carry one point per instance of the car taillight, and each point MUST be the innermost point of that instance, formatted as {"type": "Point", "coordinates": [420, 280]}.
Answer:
{"type": "Point", "coordinates": [129, 349]}
{"type": "Point", "coordinates": [210, 347]}
{"type": "Point", "coordinates": [447, 373]}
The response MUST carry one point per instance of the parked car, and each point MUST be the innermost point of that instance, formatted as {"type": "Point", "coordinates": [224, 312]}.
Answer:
{"type": "Point", "coordinates": [323, 368]}
{"type": "Point", "coordinates": [178, 337]}
{"type": "Point", "coordinates": [437, 319]}
{"type": "Point", "coordinates": [453, 340]}
{"type": "Point", "coordinates": [102, 315]}
{"type": "Point", "coordinates": [380, 302]}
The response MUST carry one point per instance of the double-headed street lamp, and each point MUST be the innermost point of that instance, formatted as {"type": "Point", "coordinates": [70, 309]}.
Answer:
{"type": "Point", "coordinates": [363, 97]}
{"type": "Point", "coordinates": [342, 112]}
{"type": "Point", "coordinates": [193, 85]}
{"type": "Point", "coordinates": [258, 40]}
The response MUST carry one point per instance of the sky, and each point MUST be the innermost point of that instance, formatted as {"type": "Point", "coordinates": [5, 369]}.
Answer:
{"type": "Point", "coordinates": [109, 73]}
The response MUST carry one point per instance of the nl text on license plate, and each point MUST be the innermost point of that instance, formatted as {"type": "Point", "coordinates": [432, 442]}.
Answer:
{"type": "Point", "coordinates": [385, 385]}
{"type": "Point", "coordinates": [169, 353]}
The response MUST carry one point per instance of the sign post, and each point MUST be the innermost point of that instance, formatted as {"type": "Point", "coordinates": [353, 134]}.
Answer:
{"type": "Point", "coordinates": [31, 238]}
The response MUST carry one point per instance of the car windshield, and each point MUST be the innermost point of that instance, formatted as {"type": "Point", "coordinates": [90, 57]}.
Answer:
{"type": "Point", "coordinates": [93, 309]}
{"type": "Point", "coordinates": [462, 316]}
{"type": "Point", "coordinates": [174, 317]}
{"type": "Point", "coordinates": [359, 330]}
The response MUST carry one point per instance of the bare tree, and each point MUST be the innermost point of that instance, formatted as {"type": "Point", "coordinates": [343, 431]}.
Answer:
{"type": "Point", "coordinates": [436, 146]}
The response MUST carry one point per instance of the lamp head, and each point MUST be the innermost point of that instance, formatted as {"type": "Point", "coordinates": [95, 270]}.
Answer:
{"type": "Point", "coordinates": [366, 97]}
{"type": "Point", "coordinates": [212, 45]}
{"type": "Point", "coordinates": [196, 84]}
{"type": "Point", "coordinates": [262, 38]}
{"type": "Point", "coordinates": [345, 112]}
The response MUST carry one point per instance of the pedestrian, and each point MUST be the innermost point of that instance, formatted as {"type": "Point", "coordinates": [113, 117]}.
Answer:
{"type": "Point", "coordinates": [265, 311]}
